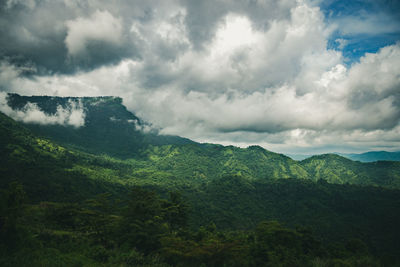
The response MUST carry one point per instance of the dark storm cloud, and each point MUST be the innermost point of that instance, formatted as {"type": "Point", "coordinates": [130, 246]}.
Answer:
{"type": "Point", "coordinates": [35, 34]}
{"type": "Point", "coordinates": [31, 35]}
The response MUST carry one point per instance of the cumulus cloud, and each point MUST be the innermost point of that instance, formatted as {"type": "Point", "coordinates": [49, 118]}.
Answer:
{"type": "Point", "coordinates": [100, 27]}
{"type": "Point", "coordinates": [31, 113]}
{"type": "Point", "coordinates": [248, 72]}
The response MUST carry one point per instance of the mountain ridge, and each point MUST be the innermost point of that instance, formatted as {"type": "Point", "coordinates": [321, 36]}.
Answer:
{"type": "Point", "coordinates": [369, 156]}
{"type": "Point", "coordinates": [111, 129]}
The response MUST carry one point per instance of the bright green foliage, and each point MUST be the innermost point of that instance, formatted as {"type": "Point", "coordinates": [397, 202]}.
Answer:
{"type": "Point", "coordinates": [337, 169]}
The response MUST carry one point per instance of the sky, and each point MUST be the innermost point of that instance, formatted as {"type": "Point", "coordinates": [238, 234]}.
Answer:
{"type": "Point", "coordinates": [294, 76]}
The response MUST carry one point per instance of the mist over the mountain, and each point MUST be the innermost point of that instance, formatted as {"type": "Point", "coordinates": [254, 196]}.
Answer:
{"type": "Point", "coordinates": [70, 115]}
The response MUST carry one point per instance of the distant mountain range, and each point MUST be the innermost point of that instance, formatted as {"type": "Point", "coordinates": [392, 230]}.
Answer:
{"type": "Point", "coordinates": [370, 156]}
{"type": "Point", "coordinates": [374, 156]}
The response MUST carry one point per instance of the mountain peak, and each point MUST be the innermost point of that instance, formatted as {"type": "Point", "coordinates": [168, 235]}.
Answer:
{"type": "Point", "coordinates": [99, 124]}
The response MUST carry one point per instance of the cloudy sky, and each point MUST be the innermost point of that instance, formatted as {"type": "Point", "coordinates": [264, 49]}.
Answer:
{"type": "Point", "coordinates": [295, 76]}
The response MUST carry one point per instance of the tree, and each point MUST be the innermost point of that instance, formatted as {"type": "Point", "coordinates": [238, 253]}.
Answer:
{"type": "Point", "coordinates": [176, 211]}
{"type": "Point", "coordinates": [142, 223]}
{"type": "Point", "coordinates": [11, 210]}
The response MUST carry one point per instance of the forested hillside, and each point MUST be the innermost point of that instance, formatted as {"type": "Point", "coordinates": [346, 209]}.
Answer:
{"type": "Point", "coordinates": [174, 202]}
{"type": "Point", "coordinates": [108, 126]}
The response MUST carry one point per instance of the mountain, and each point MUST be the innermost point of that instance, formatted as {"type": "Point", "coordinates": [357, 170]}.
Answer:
{"type": "Point", "coordinates": [47, 170]}
{"type": "Point", "coordinates": [108, 126]}
{"type": "Point", "coordinates": [227, 188]}
{"type": "Point", "coordinates": [372, 156]}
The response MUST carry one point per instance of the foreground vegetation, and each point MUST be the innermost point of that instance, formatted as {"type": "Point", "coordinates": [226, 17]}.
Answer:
{"type": "Point", "coordinates": [146, 230]}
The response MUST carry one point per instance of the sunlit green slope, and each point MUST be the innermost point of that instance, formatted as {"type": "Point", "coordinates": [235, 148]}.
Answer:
{"type": "Point", "coordinates": [337, 169]}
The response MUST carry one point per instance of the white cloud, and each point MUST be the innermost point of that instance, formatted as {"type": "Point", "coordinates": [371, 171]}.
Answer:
{"type": "Point", "coordinates": [74, 115]}
{"type": "Point", "coordinates": [278, 85]}
{"type": "Point", "coordinates": [102, 26]}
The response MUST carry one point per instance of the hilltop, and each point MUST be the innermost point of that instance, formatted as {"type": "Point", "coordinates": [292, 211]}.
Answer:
{"type": "Point", "coordinates": [107, 127]}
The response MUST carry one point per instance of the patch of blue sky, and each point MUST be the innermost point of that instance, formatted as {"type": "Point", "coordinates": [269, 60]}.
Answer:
{"type": "Point", "coordinates": [361, 26]}
{"type": "Point", "coordinates": [354, 47]}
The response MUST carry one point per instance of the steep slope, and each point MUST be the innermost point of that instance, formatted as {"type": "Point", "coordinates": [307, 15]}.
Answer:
{"type": "Point", "coordinates": [108, 126]}
{"type": "Point", "coordinates": [48, 171]}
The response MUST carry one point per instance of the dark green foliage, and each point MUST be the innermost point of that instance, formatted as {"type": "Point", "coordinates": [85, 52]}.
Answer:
{"type": "Point", "coordinates": [276, 245]}
{"type": "Point", "coordinates": [333, 212]}
{"type": "Point", "coordinates": [11, 210]}
{"type": "Point", "coordinates": [176, 211]}
{"type": "Point", "coordinates": [143, 220]}
{"type": "Point", "coordinates": [139, 233]}
{"type": "Point", "coordinates": [109, 127]}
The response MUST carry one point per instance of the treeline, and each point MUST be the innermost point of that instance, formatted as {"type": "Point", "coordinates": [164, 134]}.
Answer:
{"type": "Point", "coordinates": [333, 212]}
{"type": "Point", "coordinates": [146, 230]}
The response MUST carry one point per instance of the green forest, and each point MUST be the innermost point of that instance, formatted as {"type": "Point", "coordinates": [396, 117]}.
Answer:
{"type": "Point", "coordinates": [109, 194]}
